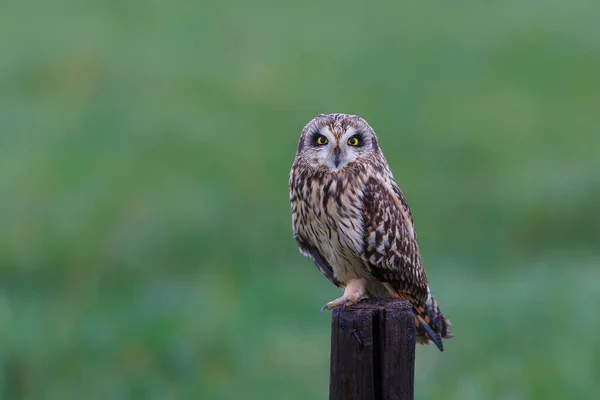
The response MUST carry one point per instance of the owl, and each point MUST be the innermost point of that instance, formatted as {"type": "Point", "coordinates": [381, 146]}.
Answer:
{"type": "Point", "coordinates": [351, 218]}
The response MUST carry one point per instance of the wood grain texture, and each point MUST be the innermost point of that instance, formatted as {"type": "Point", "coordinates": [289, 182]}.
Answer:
{"type": "Point", "coordinates": [373, 351]}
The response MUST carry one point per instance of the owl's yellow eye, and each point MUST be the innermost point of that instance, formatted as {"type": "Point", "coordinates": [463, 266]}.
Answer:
{"type": "Point", "coordinates": [322, 140]}
{"type": "Point", "coordinates": [353, 141]}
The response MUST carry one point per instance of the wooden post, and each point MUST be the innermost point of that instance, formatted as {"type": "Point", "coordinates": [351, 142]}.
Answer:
{"type": "Point", "coordinates": [373, 351]}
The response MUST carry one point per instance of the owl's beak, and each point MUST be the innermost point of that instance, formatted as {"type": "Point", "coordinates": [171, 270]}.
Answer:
{"type": "Point", "coordinates": [336, 156]}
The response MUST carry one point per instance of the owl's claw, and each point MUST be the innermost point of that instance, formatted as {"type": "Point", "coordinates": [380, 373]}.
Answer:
{"type": "Point", "coordinates": [342, 301]}
{"type": "Point", "coordinates": [353, 293]}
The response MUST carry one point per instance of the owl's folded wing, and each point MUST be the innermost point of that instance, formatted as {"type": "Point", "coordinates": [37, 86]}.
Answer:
{"type": "Point", "coordinates": [391, 251]}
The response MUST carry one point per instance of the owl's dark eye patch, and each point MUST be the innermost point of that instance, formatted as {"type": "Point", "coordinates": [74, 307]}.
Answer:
{"type": "Point", "coordinates": [318, 139]}
{"type": "Point", "coordinates": [356, 140]}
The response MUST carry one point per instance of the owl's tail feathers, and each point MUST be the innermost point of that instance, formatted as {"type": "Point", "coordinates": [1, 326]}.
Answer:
{"type": "Point", "coordinates": [432, 325]}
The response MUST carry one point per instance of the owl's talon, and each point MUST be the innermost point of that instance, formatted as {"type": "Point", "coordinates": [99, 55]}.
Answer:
{"type": "Point", "coordinates": [332, 304]}
{"type": "Point", "coordinates": [353, 293]}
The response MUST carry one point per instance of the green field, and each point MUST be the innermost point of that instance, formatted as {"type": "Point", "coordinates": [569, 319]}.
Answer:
{"type": "Point", "coordinates": [146, 249]}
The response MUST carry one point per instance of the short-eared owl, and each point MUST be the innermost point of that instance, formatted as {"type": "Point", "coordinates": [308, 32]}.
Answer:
{"type": "Point", "coordinates": [351, 218]}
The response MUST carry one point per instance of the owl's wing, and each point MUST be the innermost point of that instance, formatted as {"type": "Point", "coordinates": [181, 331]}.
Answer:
{"type": "Point", "coordinates": [391, 251]}
{"type": "Point", "coordinates": [392, 256]}
{"type": "Point", "coordinates": [320, 262]}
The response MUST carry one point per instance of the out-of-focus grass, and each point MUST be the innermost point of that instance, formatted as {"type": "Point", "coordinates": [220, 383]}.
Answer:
{"type": "Point", "coordinates": [146, 249]}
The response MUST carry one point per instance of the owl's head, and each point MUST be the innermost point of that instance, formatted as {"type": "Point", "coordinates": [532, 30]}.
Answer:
{"type": "Point", "coordinates": [336, 141]}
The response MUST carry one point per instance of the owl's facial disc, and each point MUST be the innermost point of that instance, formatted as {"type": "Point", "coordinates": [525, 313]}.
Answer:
{"type": "Point", "coordinates": [336, 151]}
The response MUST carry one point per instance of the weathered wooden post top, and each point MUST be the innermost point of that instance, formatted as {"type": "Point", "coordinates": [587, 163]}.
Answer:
{"type": "Point", "coordinates": [373, 351]}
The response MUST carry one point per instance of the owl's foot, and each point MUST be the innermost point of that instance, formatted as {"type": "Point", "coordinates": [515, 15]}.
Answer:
{"type": "Point", "coordinates": [353, 293]}
{"type": "Point", "coordinates": [338, 302]}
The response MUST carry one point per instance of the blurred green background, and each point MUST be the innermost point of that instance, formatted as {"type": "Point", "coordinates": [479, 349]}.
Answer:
{"type": "Point", "coordinates": [146, 249]}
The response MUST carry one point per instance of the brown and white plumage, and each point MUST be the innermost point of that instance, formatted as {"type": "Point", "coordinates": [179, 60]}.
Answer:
{"type": "Point", "coordinates": [351, 218]}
